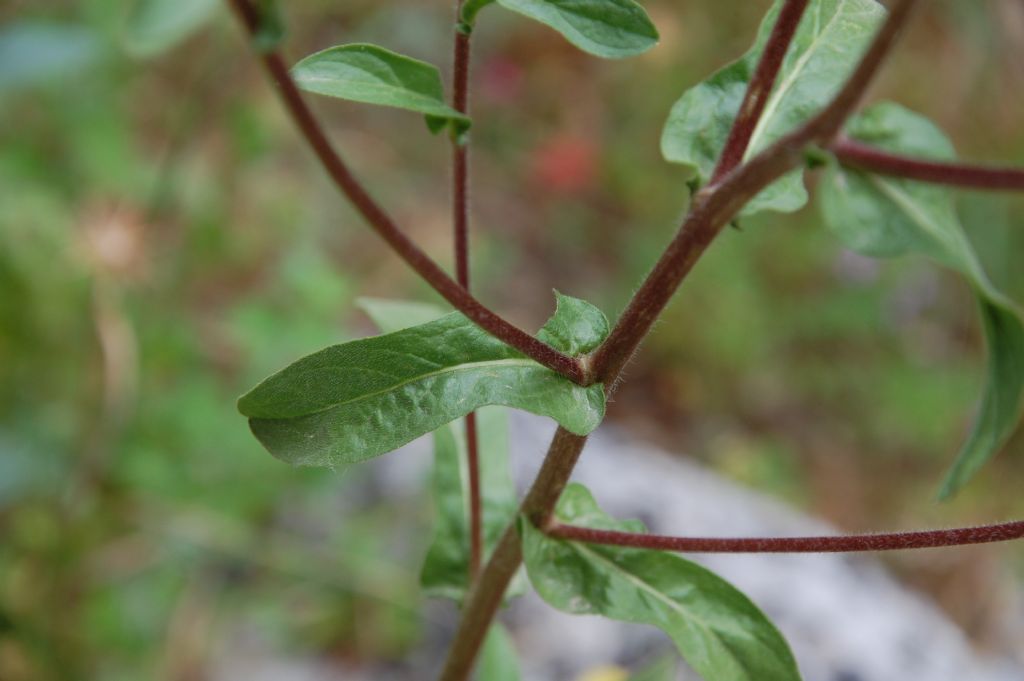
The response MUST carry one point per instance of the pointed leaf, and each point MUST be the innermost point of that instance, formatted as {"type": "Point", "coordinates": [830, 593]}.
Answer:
{"type": "Point", "coordinates": [498, 658]}
{"type": "Point", "coordinates": [445, 572]}
{"type": "Point", "coordinates": [576, 328]}
{"type": "Point", "coordinates": [605, 28]}
{"type": "Point", "coordinates": [828, 43]}
{"type": "Point", "coordinates": [354, 401]}
{"type": "Point", "coordinates": [887, 217]}
{"type": "Point", "coordinates": [367, 73]}
{"type": "Point", "coordinates": [716, 628]}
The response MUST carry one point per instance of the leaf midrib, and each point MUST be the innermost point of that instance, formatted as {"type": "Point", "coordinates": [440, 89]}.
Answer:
{"type": "Point", "coordinates": [776, 99]}
{"type": "Point", "coordinates": [468, 366]}
{"type": "Point", "coordinates": [642, 584]}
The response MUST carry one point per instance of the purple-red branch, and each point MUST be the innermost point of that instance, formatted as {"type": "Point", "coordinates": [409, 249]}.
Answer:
{"type": "Point", "coordinates": [894, 541]}
{"type": "Point", "coordinates": [760, 87]}
{"type": "Point", "coordinates": [387, 229]}
{"type": "Point", "coordinates": [460, 226]}
{"type": "Point", "coordinates": [863, 157]}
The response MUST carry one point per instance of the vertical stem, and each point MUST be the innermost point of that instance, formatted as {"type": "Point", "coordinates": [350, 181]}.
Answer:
{"type": "Point", "coordinates": [460, 224]}
{"type": "Point", "coordinates": [485, 597]}
{"type": "Point", "coordinates": [760, 87]}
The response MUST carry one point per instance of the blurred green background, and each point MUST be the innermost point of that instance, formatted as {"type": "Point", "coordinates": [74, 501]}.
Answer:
{"type": "Point", "coordinates": [166, 240]}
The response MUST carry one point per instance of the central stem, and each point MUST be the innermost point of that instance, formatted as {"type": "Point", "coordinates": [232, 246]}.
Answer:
{"type": "Point", "coordinates": [460, 225]}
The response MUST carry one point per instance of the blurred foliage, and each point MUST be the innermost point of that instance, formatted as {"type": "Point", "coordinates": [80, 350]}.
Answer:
{"type": "Point", "coordinates": [166, 241]}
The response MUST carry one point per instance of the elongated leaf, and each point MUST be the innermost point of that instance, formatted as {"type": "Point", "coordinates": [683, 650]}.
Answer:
{"type": "Point", "coordinates": [354, 401]}
{"type": "Point", "coordinates": [827, 45]}
{"type": "Point", "coordinates": [373, 75]}
{"type": "Point", "coordinates": [498, 659]}
{"type": "Point", "coordinates": [395, 315]}
{"type": "Point", "coordinates": [605, 28]}
{"type": "Point", "coordinates": [446, 568]}
{"type": "Point", "coordinates": [716, 628]}
{"type": "Point", "coordinates": [155, 26]}
{"type": "Point", "coordinates": [888, 217]}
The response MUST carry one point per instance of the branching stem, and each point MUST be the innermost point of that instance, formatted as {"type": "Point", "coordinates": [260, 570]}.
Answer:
{"type": "Point", "coordinates": [893, 541]}
{"type": "Point", "coordinates": [863, 157]}
{"type": "Point", "coordinates": [711, 211]}
{"type": "Point", "coordinates": [386, 228]}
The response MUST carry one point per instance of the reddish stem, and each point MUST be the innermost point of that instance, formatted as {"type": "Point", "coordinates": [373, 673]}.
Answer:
{"type": "Point", "coordinates": [864, 157]}
{"type": "Point", "coordinates": [894, 541]}
{"type": "Point", "coordinates": [386, 228]}
{"type": "Point", "coordinates": [460, 225]}
{"type": "Point", "coordinates": [760, 87]}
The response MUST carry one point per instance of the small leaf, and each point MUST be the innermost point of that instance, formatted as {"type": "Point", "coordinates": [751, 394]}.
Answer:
{"type": "Point", "coordinates": [498, 658]}
{"type": "Point", "coordinates": [374, 75]}
{"type": "Point", "coordinates": [395, 315]}
{"type": "Point", "coordinates": [354, 401]}
{"type": "Point", "coordinates": [576, 328]}
{"type": "Point", "coordinates": [604, 28]}
{"type": "Point", "coordinates": [827, 45]}
{"type": "Point", "coordinates": [716, 628]}
{"type": "Point", "coordinates": [445, 572]}
{"type": "Point", "coordinates": [155, 26]}
{"type": "Point", "coordinates": [888, 217]}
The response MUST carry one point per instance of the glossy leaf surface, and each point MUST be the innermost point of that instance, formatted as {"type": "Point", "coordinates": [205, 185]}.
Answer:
{"type": "Point", "coordinates": [373, 75]}
{"type": "Point", "coordinates": [888, 217]}
{"type": "Point", "coordinates": [605, 28]}
{"type": "Point", "coordinates": [354, 401]}
{"type": "Point", "coordinates": [446, 568]}
{"type": "Point", "coordinates": [826, 47]}
{"type": "Point", "coordinates": [715, 627]}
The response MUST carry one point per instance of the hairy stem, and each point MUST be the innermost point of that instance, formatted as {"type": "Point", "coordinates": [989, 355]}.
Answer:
{"type": "Point", "coordinates": [760, 87]}
{"type": "Point", "coordinates": [716, 204]}
{"type": "Point", "coordinates": [485, 598]}
{"type": "Point", "coordinates": [386, 228]}
{"type": "Point", "coordinates": [460, 226]}
{"type": "Point", "coordinates": [710, 213]}
{"type": "Point", "coordinates": [864, 157]}
{"type": "Point", "coordinates": [892, 541]}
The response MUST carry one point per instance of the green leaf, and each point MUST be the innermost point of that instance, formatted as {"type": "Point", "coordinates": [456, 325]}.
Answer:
{"type": "Point", "coordinates": [827, 45]}
{"type": "Point", "coordinates": [605, 28]}
{"type": "Point", "coordinates": [576, 328]}
{"type": "Point", "coordinates": [395, 315]}
{"type": "Point", "coordinates": [888, 217]}
{"type": "Point", "coordinates": [155, 26]}
{"type": "Point", "coordinates": [716, 628]}
{"type": "Point", "coordinates": [374, 75]}
{"type": "Point", "coordinates": [498, 658]}
{"type": "Point", "coordinates": [445, 571]}
{"type": "Point", "coordinates": [354, 401]}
